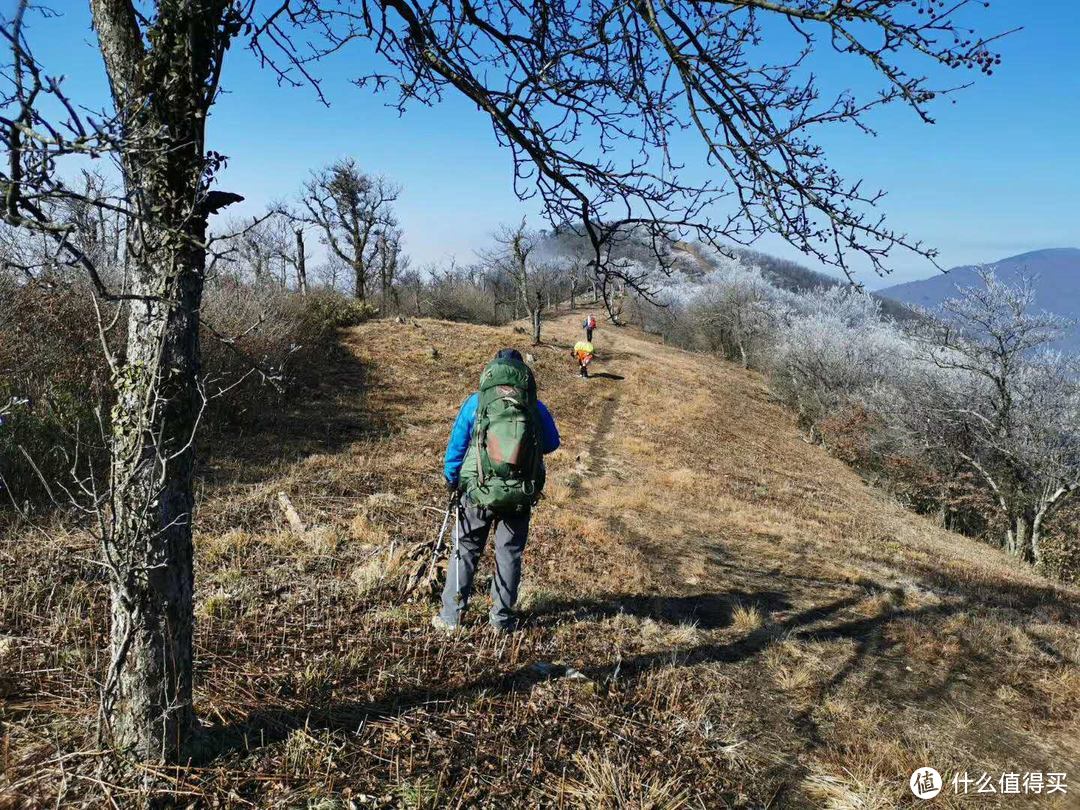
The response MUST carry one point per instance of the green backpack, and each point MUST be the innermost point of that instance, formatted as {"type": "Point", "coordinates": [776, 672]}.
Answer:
{"type": "Point", "coordinates": [503, 469]}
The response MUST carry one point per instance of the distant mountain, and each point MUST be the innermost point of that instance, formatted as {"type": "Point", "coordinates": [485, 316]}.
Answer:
{"type": "Point", "coordinates": [1056, 274]}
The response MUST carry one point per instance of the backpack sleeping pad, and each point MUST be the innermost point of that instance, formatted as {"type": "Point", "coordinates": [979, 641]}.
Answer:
{"type": "Point", "coordinates": [503, 469]}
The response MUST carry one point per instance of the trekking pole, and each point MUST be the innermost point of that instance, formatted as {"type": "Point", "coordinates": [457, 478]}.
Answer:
{"type": "Point", "coordinates": [442, 532]}
{"type": "Point", "coordinates": [457, 550]}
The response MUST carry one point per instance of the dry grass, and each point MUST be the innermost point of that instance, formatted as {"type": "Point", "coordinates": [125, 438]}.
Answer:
{"type": "Point", "coordinates": [609, 784]}
{"type": "Point", "coordinates": [746, 618]}
{"type": "Point", "coordinates": [849, 792]}
{"type": "Point", "coordinates": [750, 624]}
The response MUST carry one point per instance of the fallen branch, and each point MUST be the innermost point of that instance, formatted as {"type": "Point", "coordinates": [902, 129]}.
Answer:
{"type": "Point", "coordinates": [291, 514]}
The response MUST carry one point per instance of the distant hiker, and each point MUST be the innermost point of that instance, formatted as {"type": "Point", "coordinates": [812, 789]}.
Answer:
{"type": "Point", "coordinates": [588, 325]}
{"type": "Point", "coordinates": [495, 460]}
{"type": "Point", "coordinates": [583, 353]}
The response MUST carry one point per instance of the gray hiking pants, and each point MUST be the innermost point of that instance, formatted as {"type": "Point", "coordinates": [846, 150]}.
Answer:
{"type": "Point", "coordinates": [511, 534]}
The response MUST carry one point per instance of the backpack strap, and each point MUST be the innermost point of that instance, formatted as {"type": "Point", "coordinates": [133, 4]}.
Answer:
{"type": "Point", "coordinates": [538, 454]}
{"type": "Point", "coordinates": [481, 417]}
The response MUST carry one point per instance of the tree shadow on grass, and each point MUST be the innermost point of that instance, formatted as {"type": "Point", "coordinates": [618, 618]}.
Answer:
{"type": "Point", "coordinates": [825, 617]}
{"type": "Point", "coordinates": [710, 611]}
{"type": "Point", "coordinates": [324, 418]}
{"type": "Point", "coordinates": [985, 589]}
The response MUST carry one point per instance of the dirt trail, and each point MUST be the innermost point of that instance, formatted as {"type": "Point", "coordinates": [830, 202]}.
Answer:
{"type": "Point", "coordinates": [605, 421]}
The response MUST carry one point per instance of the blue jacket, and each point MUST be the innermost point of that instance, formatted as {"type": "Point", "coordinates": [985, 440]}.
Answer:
{"type": "Point", "coordinates": [462, 433]}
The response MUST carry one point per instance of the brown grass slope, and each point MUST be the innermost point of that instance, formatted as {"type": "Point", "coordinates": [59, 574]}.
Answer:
{"type": "Point", "coordinates": [716, 613]}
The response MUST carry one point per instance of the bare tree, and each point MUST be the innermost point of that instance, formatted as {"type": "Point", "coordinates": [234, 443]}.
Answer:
{"type": "Point", "coordinates": [554, 78]}
{"type": "Point", "coordinates": [514, 258]}
{"type": "Point", "coordinates": [162, 89]}
{"type": "Point", "coordinates": [351, 209]}
{"type": "Point", "coordinates": [261, 250]}
{"type": "Point", "coordinates": [389, 262]}
{"type": "Point", "coordinates": [551, 73]}
{"type": "Point", "coordinates": [500, 286]}
{"type": "Point", "coordinates": [1014, 413]}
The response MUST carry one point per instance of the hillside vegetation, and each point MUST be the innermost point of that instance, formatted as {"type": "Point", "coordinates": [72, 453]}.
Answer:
{"type": "Point", "coordinates": [717, 613]}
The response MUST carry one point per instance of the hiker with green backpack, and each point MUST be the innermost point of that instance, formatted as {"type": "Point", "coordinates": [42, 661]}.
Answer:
{"type": "Point", "coordinates": [494, 462]}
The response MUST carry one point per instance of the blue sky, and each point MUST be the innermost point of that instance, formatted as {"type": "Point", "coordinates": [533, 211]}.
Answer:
{"type": "Point", "coordinates": [995, 176]}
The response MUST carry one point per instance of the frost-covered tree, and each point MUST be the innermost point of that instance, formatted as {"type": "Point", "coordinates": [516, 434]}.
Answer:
{"type": "Point", "coordinates": [739, 311]}
{"type": "Point", "coordinates": [1015, 416]}
{"type": "Point", "coordinates": [835, 346]}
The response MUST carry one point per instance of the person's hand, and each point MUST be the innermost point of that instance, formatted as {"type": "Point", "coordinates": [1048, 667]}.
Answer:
{"type": "Point", "coordinates": [451, 486]}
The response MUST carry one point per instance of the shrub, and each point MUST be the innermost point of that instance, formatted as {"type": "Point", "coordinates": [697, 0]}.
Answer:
{"type": "Point", "coordinates": [1061, 546]}
{"type": "Point", "coordinates": [51, 361]}
{"type": "Point", "coordinates": [267, 344]}
{"type": "Point", "coordinates": [260, 345]}
{"type": "Point", "coordinates": [459, 299]}
{"type": "Point", "coordinates": [326, 309]}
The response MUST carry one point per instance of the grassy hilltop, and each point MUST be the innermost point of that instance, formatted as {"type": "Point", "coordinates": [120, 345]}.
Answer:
{"type": "Point", "coordinates": [716, 612]}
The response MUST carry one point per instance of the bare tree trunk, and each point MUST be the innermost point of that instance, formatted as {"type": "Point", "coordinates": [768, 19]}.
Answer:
{"type": "Point", "coordinates": [1019, 537]}
{"type": "Point", "coordinates": [1036, 539]}
{"type": "Point", "coordinates": [163, 87]}
{"type": "Point", "coordinates": [359, 281]}
{"type": "Point", "coordinates": [146, 701]}
{"type": "Point", "coordinates": [535, 314]}
{"type": "Point", "coordinates": [301, 262]}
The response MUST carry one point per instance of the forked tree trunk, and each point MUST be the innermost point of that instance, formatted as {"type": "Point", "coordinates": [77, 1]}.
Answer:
{"type": "Point", "coordinates": [1019, 537]}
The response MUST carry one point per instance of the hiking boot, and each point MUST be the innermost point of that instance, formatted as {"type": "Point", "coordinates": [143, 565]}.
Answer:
{"type": "Point", "coordinates": [503, 629]}
{"type": "Point", "coordinates": [441, 624]}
